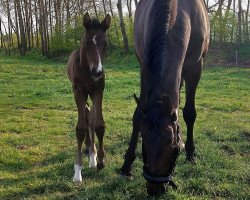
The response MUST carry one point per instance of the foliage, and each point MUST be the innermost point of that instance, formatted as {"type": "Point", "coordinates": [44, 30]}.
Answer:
{"type": "Point", "coordinates": [38, 118]}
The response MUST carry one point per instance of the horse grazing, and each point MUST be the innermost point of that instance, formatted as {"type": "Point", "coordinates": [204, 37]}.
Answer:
{"type": "Point", "coordinates": [171, 41]}
{"type": "Point", "coordinates": [85, 71]}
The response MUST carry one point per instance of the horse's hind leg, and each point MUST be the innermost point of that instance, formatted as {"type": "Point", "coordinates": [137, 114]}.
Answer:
{"type": "Point", "coordinates": [192, 77]}
{"type": "Point", "coordinates": [81, 129]}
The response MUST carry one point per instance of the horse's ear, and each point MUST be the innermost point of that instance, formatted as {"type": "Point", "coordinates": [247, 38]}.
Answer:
{"type": "Point", "coordinates": [106, 22]}
{"type": "Point", "coordinates": [174, 117]}
{"type": "Point", "coordinates": [167, 105]}
{"type": "Point", "coordinates": [137, 100]}
{"type": "Point", "coordinates": [86, 21]}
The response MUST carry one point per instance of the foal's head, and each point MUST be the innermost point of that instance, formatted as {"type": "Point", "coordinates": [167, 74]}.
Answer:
{"type": "Point", "coordinates": [95, 43]}
{"type": "Point", "coordinates": [161, 143]}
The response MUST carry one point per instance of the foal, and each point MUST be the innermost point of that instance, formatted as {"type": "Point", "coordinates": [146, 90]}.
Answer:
{"type": "Point", "coordinates": [85, 71]}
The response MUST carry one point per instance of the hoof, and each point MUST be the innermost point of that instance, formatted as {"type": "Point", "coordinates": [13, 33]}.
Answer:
{"type": "Point", "coordinates": [126, 175]}
{"type": "Point", "coordinates": [100, 166]}
{"type": "Point", "coordinates": [75, 180]}
{"type": "Point", "coordinates": [190, 160]}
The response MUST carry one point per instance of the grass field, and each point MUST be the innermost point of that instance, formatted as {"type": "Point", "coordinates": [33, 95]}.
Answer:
{"type": "Point", "coordinates": [37, 139]}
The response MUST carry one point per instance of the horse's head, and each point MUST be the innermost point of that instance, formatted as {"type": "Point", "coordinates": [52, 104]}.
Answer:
{"type": "Point", "coordinates": [95, 43]}
{"type": "Point", "coordinates": [161, 144]}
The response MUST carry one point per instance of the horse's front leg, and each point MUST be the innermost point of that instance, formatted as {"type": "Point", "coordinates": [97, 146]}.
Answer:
{"type": "Point", "coordinates": [81, 130]}
{"type": "Point", "coordinates": [192, 78]}
{"type": "Point", "coordinates": [97, 125]}
{"type": "Point", "coordinates": [130, 155]}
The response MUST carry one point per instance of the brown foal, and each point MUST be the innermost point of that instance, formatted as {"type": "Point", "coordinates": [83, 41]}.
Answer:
{"type": "Point", "coordinates": [85, 71]}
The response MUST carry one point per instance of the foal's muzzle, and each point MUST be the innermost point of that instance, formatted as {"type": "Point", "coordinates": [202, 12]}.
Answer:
{"type": "Point", "coordinates": [96, 75]}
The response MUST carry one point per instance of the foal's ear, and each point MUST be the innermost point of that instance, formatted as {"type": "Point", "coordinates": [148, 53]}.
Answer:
{"type": "Point", "coordinates": [86, 21]}
{"type": "Point", "coordinates": [106, 22]}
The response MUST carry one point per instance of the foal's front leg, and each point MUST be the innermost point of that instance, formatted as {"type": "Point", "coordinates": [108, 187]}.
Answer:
{"type": "Point", "coordinates": [97, 126]}
{"type": "Point", "coordinates": [81, 129]}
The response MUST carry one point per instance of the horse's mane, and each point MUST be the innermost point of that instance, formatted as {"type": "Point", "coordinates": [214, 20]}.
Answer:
{"type": "Point", "coordinates": [156, 46]}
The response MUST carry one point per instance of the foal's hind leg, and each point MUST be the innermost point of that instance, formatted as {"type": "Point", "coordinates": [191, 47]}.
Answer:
{"type": "Point", "coordinates": [81, 130]}
{"type": "Point", "coordinates": [87, 137]}
{"type": "Point", "coordinates": [192, 77]}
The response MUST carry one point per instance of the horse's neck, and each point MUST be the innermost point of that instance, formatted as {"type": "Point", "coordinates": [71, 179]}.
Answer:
{"type": "Point", "coordinates": [154, 86]}
{"type": "Point", "coordinates": [159, 77]}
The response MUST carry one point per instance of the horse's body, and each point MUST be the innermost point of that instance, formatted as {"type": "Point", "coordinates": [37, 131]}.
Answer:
{"type": "Point", "coordinates": [171, 41]}
{"type": "Point", "coordinates": [84, 70]}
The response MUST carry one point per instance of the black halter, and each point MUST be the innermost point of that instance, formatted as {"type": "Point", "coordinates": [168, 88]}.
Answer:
{"type": "Point", "coordinates": [167, 178]}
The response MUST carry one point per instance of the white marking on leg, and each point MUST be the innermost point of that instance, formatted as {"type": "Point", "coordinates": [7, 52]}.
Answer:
{"type": "Point", "coordinates": [92, 160]}
{"type": "Point", "coordinates": [78, 175]}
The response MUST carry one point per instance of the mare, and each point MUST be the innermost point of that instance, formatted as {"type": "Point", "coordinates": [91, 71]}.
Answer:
{"type": "Point", "coordinates": [85, 72]}
{"type": "Point", "coordinates": [171, 40]}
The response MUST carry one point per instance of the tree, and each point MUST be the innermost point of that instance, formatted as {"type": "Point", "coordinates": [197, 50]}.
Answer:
{"type": "Point", "coordinates": [23, 44]}
{"type": "Point", "coordinates": [122, 26]}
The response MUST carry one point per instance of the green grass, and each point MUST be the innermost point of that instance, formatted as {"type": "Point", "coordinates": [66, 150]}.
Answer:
{"type": "Point", "coordinates": [37, 139]}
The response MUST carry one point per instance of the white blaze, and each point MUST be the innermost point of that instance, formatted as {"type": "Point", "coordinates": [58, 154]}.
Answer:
{"type": "Point", "coordinates": [99, 67]}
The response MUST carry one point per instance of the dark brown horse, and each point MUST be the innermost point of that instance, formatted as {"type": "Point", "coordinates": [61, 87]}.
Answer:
{"type": "Point", "coordinates": [84, 70]}
{"type": "Point", "coordinates": [171, 41]}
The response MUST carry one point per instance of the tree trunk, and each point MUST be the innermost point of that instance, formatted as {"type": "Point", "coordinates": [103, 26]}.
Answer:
{"type": "Point", "coordinates": [129, 6]}
{"type": "Point", "coordinates": [114, 20]}
{"type": "Point", "coordinates": [136, 2]}
{"type": "Point", "coordinates": [37, 23]}
{"type": "Point", "coordinates": [31, 25]}
{"type": "Point", "coordinates": [23, 44]}
{"type": "Point", "coordinates": [9, 26]}
{"type": "Point", "coordinates": [104, 7]}
{"type": "Point", "coordinates": [122, 25]}
{"type": "Point", "coordinates": [96, 13]}
{"type": "Point", "coordinates": [1, 34]}
{"type": "Point", "coordinates": [239, 38]}
{"type": "Point", "coordinates": [247, 22]}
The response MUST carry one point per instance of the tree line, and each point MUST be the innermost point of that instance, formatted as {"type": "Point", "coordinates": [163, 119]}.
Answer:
{"type": "Point", "coordinates": [55, 26]}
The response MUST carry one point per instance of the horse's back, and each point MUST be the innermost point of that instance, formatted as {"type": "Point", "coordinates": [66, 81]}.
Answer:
{"type": "Point", "coordinates": [71, 64]}
{"type": "Point", "coordinates": [200, 30]}
{"type": "Point", "coordinates": [188, 18]}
